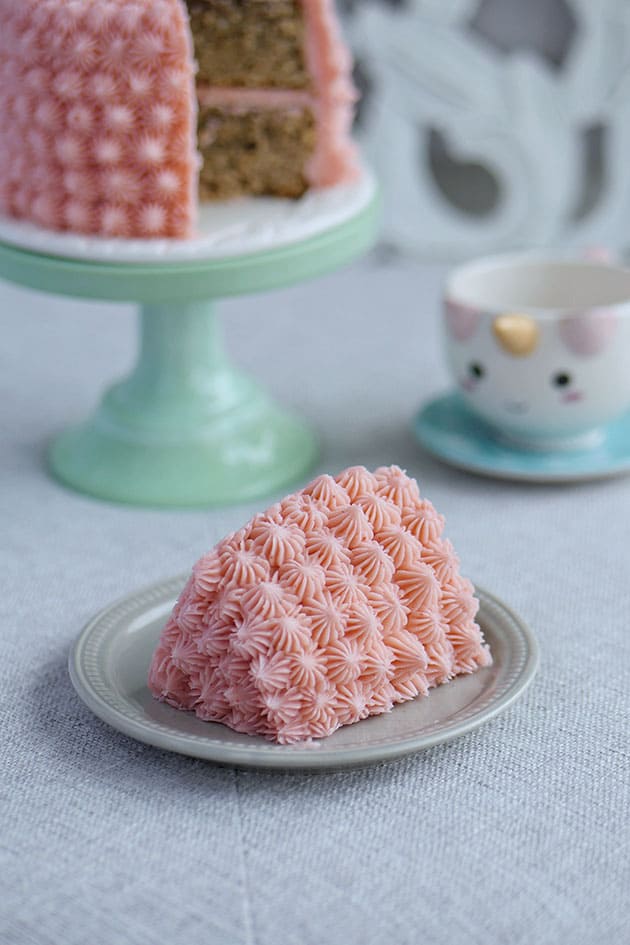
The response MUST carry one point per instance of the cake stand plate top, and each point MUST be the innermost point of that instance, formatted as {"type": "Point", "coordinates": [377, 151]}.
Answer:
{"type": "Point", "coordinates": [253, 245]}
{"type": "Point", "coordinates": [226, 229]}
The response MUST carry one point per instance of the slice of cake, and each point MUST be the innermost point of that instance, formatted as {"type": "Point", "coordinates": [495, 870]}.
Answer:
{"type": "Point", "coordinates": [118, 116]}
{"type": "Point", "coordinates": [335, 604]}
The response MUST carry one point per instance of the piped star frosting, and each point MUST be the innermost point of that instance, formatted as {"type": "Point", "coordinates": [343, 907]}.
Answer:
{"type": "Point", "coordinates": [97, 116]}
{"type": "Point", "coordinates": [335, 604]}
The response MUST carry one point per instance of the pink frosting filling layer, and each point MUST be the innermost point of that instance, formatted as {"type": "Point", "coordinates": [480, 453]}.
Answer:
{"type": "Point", "coordinates": [222, 97]}
{"type": "Point", "coordinates": [335, 604]}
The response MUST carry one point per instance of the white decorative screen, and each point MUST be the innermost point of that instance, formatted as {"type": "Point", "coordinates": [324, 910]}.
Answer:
{"type": "Point", "coordinates": [496, 123]}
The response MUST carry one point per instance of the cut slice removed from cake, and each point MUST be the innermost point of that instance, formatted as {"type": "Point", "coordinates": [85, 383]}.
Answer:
{"type": "Point", "coordinates": [333, 605]}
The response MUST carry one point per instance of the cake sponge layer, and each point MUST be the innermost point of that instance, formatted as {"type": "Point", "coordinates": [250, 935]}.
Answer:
{"type": "Point", "coordinates": [249, 43]}
{"type": "Point", "coordinates": [258, 152]}
{"type": "Point", "coordinates": [335, 604]}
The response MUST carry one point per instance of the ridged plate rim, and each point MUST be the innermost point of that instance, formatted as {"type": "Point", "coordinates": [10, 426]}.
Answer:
{"type": "Point", "coordinates": [96, 685]}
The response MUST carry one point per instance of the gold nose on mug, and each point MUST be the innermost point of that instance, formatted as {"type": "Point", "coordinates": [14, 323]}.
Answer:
{"type": "Point", "coordinates": [516, 334]}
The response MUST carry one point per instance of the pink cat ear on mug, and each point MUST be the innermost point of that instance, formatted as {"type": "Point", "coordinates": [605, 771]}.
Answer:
{"type": "Point", "coordinates": [600, 253]}
{"type": "Point", "coordinates": [588, 333]}
{"type": "Point", "coordinates": [461, 320]}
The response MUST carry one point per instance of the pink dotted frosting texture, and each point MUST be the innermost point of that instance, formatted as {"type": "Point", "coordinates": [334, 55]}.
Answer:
{"type": "Point", "coordinates": [97, 115]}
{"type": "Point", "coordinates": [335, 604]}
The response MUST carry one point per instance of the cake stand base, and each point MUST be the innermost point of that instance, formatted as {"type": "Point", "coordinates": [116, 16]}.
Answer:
{"type": "Point", "coordinates": [186, 428]}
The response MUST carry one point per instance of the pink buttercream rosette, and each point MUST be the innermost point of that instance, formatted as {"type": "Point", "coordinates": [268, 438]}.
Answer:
{"type": "Point", "coordinates": [97, 116]}
{"type": "Point", "coordinates": [335, 604]}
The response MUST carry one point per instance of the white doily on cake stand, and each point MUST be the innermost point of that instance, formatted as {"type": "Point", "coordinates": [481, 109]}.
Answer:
{"type": "Point", "coordinates": [227, 228]}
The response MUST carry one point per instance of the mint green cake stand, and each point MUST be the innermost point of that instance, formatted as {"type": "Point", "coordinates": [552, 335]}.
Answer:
{"type": "Point", "coordinates": [186, 428]}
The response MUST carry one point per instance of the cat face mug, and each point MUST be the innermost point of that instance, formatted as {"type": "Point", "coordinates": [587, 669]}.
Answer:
{"type": "Point", "coordinates": [539, 347]}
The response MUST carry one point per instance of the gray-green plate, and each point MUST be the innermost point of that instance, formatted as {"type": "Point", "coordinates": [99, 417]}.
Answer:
{"type": "Point", "coordinates": [110, 660]}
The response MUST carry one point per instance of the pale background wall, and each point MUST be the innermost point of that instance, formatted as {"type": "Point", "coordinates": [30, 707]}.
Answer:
{"type": "Point", "coordinates": [496, 123]}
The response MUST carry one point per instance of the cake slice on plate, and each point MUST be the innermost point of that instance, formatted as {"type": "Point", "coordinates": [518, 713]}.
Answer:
{"type": "Point", "coordinates": [333, 605]}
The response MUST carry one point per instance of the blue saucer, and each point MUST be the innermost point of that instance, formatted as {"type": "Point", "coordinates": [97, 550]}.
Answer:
{"type": "Point", "coordinates": [448, 430]}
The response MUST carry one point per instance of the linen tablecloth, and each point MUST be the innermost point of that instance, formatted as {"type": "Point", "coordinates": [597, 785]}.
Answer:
{"type": "Point", "coordinates": [518, 833]}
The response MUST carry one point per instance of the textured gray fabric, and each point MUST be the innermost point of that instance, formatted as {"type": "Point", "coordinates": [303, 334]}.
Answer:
{"type": "Point", "coordinates": [516, 834]}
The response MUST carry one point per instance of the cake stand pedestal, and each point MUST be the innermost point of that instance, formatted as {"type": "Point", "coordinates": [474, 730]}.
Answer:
{"type": "Point", "coordinates": [186, 428]}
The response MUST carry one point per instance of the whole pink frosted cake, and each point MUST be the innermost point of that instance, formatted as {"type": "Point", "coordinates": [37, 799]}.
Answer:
{"type": "Point", "coordinates": [333, 605]}
{"type": "Point", "coordinates": [118, 116]}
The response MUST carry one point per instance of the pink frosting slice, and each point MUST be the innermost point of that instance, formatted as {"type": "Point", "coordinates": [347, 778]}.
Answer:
{"type": "Point", "coordinates": [329, 62]}
{"type": "Point", "coordinates": [299, 625]}
{"type": "Point", "coordinates": [97, 116]}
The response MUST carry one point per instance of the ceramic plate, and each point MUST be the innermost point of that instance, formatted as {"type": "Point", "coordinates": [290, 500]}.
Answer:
{"type": "Point", "coordinates": [225, 229]}
{"type": "Point", "coordinates": [448, 430]}
{"type": "Point", "coordinates": [110, 660]}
